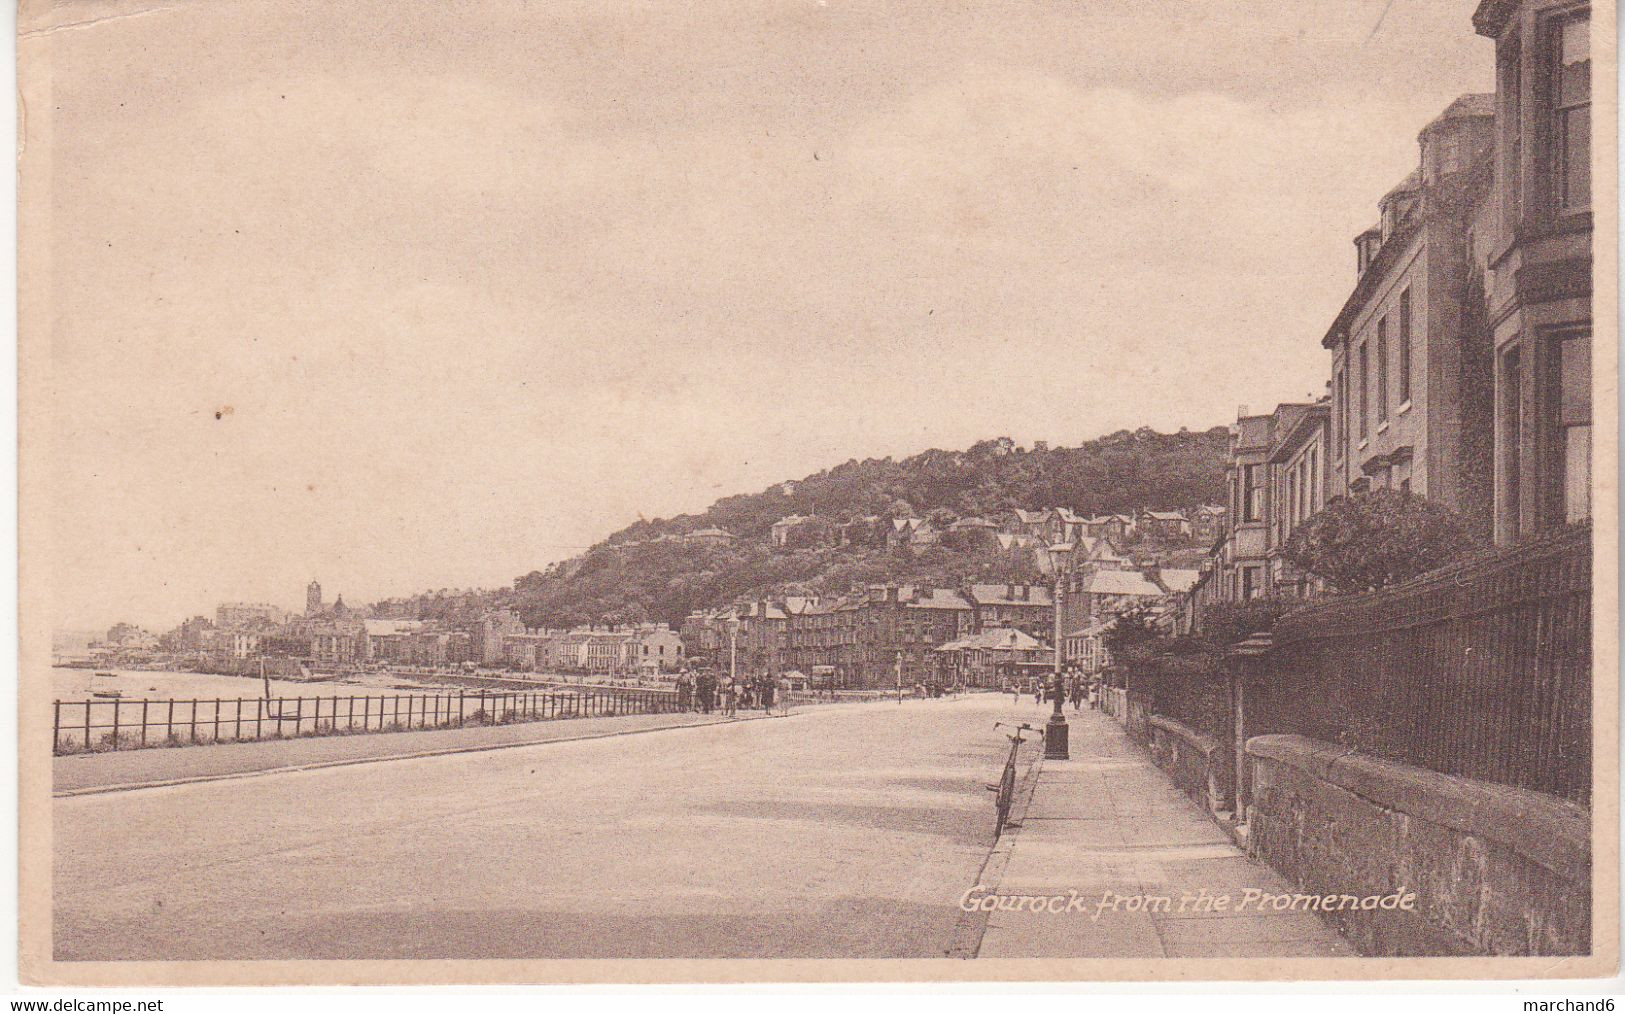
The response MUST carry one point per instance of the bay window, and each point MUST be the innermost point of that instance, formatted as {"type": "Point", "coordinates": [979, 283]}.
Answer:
{"type": "Point", "coordinates": [1571, 427]}
{"type": "Point", "coordinates": [1570, 108]}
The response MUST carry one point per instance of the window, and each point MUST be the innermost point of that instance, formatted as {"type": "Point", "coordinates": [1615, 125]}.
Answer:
{"type": "Point", "coordinates": [1405, 346]}
{"type": "Point", "coordinates": [1314, 481]}
{"type": "Point", "coordinates": [1252, 494]}
{"type": "Point", "coordinates": [1571, 113]}
{"type": "Point", "coordinates": [1342, 436]}
{"type": "Point", "coordinates": [1365, 402]}
{"type": "Point", "coordinates": [1337, 406]}
{"type": "Point", "coordinates": [1572, 457]}
{"type": "Point", "coordinates": [1510, 439]}
{"type": "Point", "coordinates": [1509, 86]}
{"type": "Point", "coordinates": [1382, 371]}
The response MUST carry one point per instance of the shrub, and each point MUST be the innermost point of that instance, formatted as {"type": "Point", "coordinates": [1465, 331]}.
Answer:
{"type": "Point", "coordinates": [1225, 623]}
{"type": "Point", "coordinates": [1378, 538]}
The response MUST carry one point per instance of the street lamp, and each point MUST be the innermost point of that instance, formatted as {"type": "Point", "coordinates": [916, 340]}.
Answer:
{"type": "Point", "coordinates": [1055, 731]}
{"type": "Point", "coordinates": [733, 649]}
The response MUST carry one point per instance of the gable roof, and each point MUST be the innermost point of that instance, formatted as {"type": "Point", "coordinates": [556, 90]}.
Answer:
{"type": "Point", "coordinates": [937, 598]}
{"type": "Point", "coordinates": [999, 639]}
{"type": "Point", "coordinates": [1098, 625]}
{"type": "Point", "coordinates": [1178, 580]}
{"type": "Point", "coordinates": [999, 595]}
{"type": "Point", "coordinates": [1095, 547]}
{"type": "Point", "coordinates": [1121, 582]}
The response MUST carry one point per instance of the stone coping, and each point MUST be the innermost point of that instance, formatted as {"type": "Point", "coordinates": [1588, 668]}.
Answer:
{"type": "Point", "coordinates": [1201, 740]}
{"type": "Point", "coordinates": [1545, 830]}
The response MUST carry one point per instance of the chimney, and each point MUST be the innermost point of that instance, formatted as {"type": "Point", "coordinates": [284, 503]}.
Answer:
{"type": "Point", "coordinates": [1241, 411]}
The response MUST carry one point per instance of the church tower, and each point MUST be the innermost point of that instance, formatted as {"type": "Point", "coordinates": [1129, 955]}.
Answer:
{"type": "Point", "coordinates": [313, 598]}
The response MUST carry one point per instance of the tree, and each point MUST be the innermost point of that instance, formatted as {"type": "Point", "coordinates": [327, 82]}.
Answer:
{"type": "Point", "coordinates": [1375, 539]}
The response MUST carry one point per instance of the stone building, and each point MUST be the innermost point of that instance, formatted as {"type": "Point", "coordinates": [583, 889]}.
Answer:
{"type": "Point", "coordinates": [1297, 464]}
{"type": "Point", "coordinates": [1534, 239]}
{"type": "Point", "coordinates": [1404, 360]}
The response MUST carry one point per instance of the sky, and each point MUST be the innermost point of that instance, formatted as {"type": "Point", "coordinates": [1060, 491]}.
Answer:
{"type": "Point", "coordinates": [405, 296]}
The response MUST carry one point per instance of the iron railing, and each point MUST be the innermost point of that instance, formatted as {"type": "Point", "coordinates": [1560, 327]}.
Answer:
{"type": "Point", "coordinates": [117, 724]}
{"type": "Point", "coordinates": [1481, 669]}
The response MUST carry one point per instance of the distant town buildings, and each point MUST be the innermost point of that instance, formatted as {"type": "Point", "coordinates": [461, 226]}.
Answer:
{"type": "Point", "coordinates": [235, 615]}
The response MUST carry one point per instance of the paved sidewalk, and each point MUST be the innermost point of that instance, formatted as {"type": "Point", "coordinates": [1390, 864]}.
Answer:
{"type": "Point", "coordinates": [1110, 826]}
{"type": "Point", "coordinates": [80, 774]}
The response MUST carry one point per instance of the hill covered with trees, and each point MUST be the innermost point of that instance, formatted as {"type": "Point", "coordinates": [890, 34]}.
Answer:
{"type": "Point", "coordinates": [648, 571]}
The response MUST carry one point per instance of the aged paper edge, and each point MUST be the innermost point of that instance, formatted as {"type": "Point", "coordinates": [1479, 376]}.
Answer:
{"type": "Point", "coordinates": [37, 967]}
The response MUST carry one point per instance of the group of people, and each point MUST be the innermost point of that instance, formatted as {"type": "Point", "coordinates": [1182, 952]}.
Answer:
{"type": "Point", "coordinates": [708, 692]}
{"type": "Point", "coordinates": [1076, 688]}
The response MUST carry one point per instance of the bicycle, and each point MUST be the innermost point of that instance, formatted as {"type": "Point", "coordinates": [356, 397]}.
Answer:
{"type": "Point", "coordinates": [1006, 787]}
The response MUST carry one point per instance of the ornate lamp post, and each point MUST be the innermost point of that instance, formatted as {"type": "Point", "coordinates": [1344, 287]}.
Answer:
{"type": "Point", "coordinates": [1055, 731]}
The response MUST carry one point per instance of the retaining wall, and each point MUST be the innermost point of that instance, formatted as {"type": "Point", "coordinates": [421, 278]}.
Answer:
{"type": "Point", "coordinates": [1195, 762]}
{"type": "Point", "coordinates": [1495, 869]}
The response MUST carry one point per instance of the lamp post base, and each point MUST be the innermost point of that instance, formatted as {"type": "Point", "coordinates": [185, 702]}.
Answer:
{"type": "Point", "coordinates": [1055, 739]}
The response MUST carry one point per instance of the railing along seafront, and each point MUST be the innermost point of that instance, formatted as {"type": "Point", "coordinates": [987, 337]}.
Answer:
{"type": "Point", "coordinates": [93, 725]}
{"type": "Point", "coordinates": [1481, 669]}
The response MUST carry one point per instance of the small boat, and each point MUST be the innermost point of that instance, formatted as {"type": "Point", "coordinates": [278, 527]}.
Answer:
{"type": "Point", "coordinates": [110, 694]}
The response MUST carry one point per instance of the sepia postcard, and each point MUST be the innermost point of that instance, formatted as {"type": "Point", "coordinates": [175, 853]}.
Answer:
{"type": "Point", "coordinates": [817, 491]}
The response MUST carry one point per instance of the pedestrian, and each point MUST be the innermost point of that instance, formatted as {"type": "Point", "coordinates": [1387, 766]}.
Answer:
{"type": "Point", "coordinates": [729, 704]}
{"type": "Point", "coordinates": [1038, 691]}
{"type": "Point", "coordinates": [705, 687]}
{"type": "Point", "coordinates": [1015, 693]}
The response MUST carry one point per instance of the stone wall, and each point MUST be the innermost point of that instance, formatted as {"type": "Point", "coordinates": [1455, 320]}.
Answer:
{"type": "Point", "coordinates": [1137, 718]}
{"type": "Point", "coordinates": [1193, 761]}
{"type": "Point", "coordinates": [1114, 702]}
{"type": "Point", "coordinates": [1495, 869]}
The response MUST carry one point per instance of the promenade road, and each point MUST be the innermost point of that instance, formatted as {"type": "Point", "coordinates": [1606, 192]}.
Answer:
{"type": "Point", "coordinates": [843, 831]}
